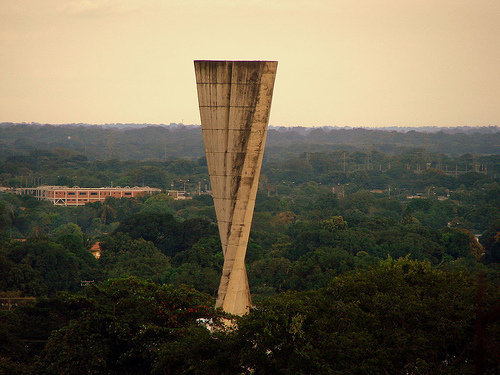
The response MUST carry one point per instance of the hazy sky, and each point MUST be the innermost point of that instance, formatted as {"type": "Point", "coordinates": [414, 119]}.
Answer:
{"type": "Point", "coordinates": [341, 62]}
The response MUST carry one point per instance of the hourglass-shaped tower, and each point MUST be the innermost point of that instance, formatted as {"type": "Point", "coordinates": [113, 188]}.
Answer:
{"type": "Point", "coordinates": [235, 101]}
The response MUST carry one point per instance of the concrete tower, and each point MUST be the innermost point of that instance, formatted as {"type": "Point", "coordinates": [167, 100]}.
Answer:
{"type": "Point", "coordinates": [235, 100]}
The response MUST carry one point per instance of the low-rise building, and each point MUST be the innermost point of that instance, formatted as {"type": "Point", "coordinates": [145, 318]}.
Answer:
{"type": "Point", "coordinates": [178, 194]}
{"type": "Point", "coordinates": [76, 196]}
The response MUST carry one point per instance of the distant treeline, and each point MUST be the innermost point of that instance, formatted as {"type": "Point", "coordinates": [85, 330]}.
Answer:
{"type": "Point", "coordinates": [161, 142]}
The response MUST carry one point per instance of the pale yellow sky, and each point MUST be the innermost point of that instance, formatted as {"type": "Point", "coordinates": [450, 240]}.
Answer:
{"type": "Point", "coordinates": [341, 62]}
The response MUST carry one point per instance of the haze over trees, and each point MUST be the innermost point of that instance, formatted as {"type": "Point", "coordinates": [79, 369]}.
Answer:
{"type": "Point", "coordinates": [143, 141]}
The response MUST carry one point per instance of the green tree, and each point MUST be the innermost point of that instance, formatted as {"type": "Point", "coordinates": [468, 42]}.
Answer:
{"type": "Point", "coordinates": [491, 243]}
{"type": "Point", "coordinates": [334, 223]}
{"type": "Point", "coordinates": [160, 228]}
{"type": "Point", "coordinates": [123, 256]}
{"type": "Point", "coordinates": [55, 267]}
{"type": "Point", "coordinates": [402, 316]}
{"type": "Point", "coordinates": [107, 214]}
{"type": "Point", "coordinates": [124, 328]}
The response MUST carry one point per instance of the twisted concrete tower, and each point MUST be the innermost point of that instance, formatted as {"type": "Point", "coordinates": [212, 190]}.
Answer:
{"type": "Point", "coordinates": [235, 100]}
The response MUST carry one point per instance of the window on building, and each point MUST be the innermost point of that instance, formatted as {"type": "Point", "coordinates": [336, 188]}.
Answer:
{"type": "Point", "coordinates": [93, 193]}
{"type": "Point", "coordinates": [128, 193]}
{"type": "Point", "coordinates": [83, 193]}
{"type": "Point", "coordinates": [71, 193]}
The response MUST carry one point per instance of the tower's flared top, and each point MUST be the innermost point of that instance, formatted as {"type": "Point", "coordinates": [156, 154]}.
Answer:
{"type": "Point", "coordinates": [222, 71]}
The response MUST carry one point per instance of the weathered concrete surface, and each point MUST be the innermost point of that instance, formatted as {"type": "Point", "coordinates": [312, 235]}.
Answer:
{"type": "Point", "coordinates": [235, 101]}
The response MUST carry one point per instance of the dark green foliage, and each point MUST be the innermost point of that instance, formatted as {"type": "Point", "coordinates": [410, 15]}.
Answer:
{"type": "Point", "coordinates": [119, 327]}
{"type": "Point", "coordinates": [168, 234]}
{"type": "Point", "coordinates": [39, 266]}
{"type": "Point", "coordinates": [491, 243]}
{"type": "Point", "coordinates": [398, 317]}
{"type": "Point", "coordinates": [161, 229]}
{"type": "Point", "coordinates": [402, 316]}
{"type": "Point", "coordinates": [199, 266]}
{"type": "Point", "coordinates": [122, 334]}
{"type": "Point", "coordinates": [122, 256]}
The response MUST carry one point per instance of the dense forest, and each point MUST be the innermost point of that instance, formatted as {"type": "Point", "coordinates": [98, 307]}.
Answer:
{"type": "Point", "coordinates": [361, 260]}
{"type": "Point", "coordinates": [174, 141]}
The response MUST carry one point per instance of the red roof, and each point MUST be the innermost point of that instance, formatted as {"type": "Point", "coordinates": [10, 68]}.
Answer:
{"type": "Point", "coordinates": [96, 247]}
